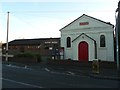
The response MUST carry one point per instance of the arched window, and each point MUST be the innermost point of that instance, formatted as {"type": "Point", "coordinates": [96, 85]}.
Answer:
{"type": "Point", "coordinates": [102, 41]}
{"type": "Point", "coordinates": [68, 42]}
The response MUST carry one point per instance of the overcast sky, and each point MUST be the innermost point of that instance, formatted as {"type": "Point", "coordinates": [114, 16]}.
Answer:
{"type": "Point", "coordinates": [44, 18]}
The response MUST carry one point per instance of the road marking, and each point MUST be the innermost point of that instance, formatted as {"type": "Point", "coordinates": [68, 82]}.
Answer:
{"type": "Point", "coordinates": [62, 73]}
{"type": "Point", "coordinates": [71, 73]}
{"type": "Point", "coordinates": [8, 55]}
{"type": "Point", "coordinates": [25, 67]}
{"type": "Point", "coordinates": [22, 83]}
{"type": "Point", "coordinates": [47, 69]}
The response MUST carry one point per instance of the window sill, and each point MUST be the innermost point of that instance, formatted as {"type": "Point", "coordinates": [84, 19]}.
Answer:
{"type": "Point", "coordinates": [68, 48]}
{"type": "Point", "coordinates": [103, 48]}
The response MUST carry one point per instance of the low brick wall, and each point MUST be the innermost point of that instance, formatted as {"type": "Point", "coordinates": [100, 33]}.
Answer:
{"type": "Point", "coordinates": [21, 59]}
{"type": "Point", "coordinates": [73, 63]}
{"type": "Point", "coordinates": [106, 64]}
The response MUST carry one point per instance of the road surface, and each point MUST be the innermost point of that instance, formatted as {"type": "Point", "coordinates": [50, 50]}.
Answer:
{"type": "Point", "coordinates": [23, 77]}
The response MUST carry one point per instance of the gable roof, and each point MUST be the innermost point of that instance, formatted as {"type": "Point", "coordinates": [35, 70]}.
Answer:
{"type": "Point", "coordinates": [89, 17]}
{"type": "Point", "coordinates": [37, 41]}
{"type": "Point", "coordinates": [25, 42]}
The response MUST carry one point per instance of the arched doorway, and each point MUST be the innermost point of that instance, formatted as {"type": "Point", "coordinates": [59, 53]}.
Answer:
{"type": "Point", "coordinates": [83, 51]}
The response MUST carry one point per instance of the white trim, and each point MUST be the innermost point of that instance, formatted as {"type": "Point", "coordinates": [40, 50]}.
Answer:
{"type": "Point", "coordinates": [105, 40]}
{"type": "Point", "coordinates": [70, 41]}
{"type": "Point", "coordinates": [22, 83]}
{"type": "Point", "coordinates": [84, 31]}
{"type": "Point", "coordinates": [91, 48]}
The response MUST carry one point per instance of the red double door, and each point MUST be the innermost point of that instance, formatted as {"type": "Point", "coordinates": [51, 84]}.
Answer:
{"type": "Point", "coordinates": [83, 51]}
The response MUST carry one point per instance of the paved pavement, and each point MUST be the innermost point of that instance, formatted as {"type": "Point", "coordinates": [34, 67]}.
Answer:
{"type": "Point", "coordinates": [104, 73]}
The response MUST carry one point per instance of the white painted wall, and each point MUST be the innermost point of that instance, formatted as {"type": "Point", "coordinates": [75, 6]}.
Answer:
{"type": "Point", "coordinates": [93, 30]}
{"type": "Point", "coordinates": [91, 49]}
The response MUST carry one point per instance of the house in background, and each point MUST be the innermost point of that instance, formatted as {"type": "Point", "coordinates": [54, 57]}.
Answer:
{"type": "Point", "coordinates": [88, 38]}
{"type": "Point", "coordinates": [46, 47]}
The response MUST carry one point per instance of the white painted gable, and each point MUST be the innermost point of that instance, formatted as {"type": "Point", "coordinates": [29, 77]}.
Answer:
{"type": "Point", "coordinates": [88, 21]}
{"type": "Point", "coordinates": [88, 29]}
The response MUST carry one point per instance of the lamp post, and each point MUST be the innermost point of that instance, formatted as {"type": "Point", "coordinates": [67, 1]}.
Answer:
{"type": "Point", "coordinates": [7, 36]}
{"type": "Point", "coordinates": [118, 35]}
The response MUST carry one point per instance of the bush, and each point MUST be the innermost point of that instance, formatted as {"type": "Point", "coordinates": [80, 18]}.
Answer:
{"type": "Point", "coordinates": [29, 55]}
{"type": "Point", "coordinates": [24, 55]}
